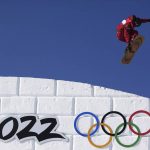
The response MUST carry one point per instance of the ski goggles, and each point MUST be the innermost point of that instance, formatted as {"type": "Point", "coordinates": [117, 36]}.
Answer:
{"type": "Point", "coordinates": [117, 132]}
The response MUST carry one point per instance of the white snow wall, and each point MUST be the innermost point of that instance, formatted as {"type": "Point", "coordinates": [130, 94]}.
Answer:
{"type": "Point", "coordinates": [64, 100]}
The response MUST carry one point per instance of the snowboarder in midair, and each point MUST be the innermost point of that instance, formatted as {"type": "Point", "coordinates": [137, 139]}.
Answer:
{"type": "Point", "coordinates": [126, 32]}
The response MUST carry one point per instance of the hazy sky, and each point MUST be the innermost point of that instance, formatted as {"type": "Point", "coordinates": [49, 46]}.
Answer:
{"type": "Point", "coordinates": [73, 40]}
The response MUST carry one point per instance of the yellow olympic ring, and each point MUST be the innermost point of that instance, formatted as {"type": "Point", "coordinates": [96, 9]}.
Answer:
{"type": "Point", "coordinates": [99, 146]}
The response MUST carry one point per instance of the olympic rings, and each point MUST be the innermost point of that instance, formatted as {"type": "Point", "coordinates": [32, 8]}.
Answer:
{"type": "Point", "coordinates": [124, 119]}
{"type": "Point", "coordinates": [124, 124]}
{"type": "Point", "coordinates": [131, 145]}
{"type": "Point", "coordinates": [100, 146]}
{"type": "Point", "coordinates": [89, 113]}
{"type": "Point", "coordinates": [130, 120]}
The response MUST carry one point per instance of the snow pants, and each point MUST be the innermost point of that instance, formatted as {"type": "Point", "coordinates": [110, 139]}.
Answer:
{"type": "Point", "coordinates": [126, 35]}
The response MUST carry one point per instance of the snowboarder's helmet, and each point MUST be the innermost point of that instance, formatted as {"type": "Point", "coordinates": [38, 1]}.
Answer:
{"type": "Point", "coordinates": [133, 17]}
{"type": "Point", "coordinates": [136, 20]}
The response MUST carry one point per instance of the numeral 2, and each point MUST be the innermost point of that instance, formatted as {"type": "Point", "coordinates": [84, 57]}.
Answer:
{"type": "Point", "coordinates": [50, 132]}
{"type": "Point", "coordinates": [25, 133]}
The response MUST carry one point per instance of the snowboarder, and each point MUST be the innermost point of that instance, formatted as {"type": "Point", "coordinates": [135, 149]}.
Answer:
{"type": "Point", "coordinates": [126, 31]}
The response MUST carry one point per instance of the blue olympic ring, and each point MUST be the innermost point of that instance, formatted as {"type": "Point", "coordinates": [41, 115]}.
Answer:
{"type": "Point", "coordinates": [84, 113]}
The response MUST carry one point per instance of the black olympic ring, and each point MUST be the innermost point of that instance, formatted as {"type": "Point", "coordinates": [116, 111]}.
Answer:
{"type": "Point", "coordinates": [124, 119]}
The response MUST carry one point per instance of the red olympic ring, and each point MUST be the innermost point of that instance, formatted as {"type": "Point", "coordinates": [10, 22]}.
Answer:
{"type": "Point", "coordinates": [130, 120]}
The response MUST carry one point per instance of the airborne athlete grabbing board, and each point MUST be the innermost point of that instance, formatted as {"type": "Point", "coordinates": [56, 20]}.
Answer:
{"type": "Point", "coordinates": [126, 33]}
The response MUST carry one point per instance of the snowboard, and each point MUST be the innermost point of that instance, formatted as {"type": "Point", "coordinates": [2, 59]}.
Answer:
{"type": "Point", "coordinates": [128, 55]}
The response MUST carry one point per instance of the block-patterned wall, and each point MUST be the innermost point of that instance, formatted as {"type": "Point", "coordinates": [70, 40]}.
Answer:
{"type": "Point", "coordinates": [64, 100]}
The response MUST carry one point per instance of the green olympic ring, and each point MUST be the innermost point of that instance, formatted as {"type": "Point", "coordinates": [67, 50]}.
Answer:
{"type": "Point", "coordinates": [133, 144]}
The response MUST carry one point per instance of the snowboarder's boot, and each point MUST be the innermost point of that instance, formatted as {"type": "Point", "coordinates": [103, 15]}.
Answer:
{"type": "Point", "coordinates": [129, 48]}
